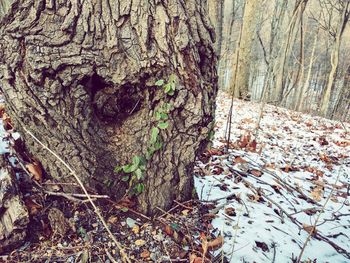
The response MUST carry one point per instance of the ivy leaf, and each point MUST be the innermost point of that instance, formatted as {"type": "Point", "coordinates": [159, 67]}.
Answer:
{"type": "Point", "coordinates": [167, 88]}
{"type": "Point", "coordinates": [127, 168]}
{"type": "Point", "coordinates": [163, 125]}
{"type": "Point", "coordinates": [159, 83]}
{"type": "Point", "coordinates": [158, 116]}
{"type": "Point", "coordinates": [138, 174]}
{"type": "Point", "coordinates": [150, 152]}
{"type": "Point", "coordinates": [140, 188]}
{"type": "Point", "coordinates": [124, 209]}
{"type": "Point", "coordinates": [164, 116]}
{"type": "Point", "coordinates": [154, 135]}
{"type": "Point", "coordinates": [125, 178]}
{"type": "Point", "coordinates": [136, 160]}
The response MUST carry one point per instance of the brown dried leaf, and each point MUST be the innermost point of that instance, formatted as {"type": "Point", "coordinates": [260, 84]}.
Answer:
{"type": "Point", "coordinates": [35, 169]}
{"type": "Point", "coordinates": [32, 206]}
{"type": "Point", "coordinates": [310, 229]}
{"type": "Point", "coordinates": [145, 254]}
{"type": "Point", "coordinates": [216, 243]}
{"type": "Point", "coordinates": [256, 173]}
{"type": "Point", "coordinates": [168, 230]}
{"type": "Point", "coordinates": [112, 220]}
{"type": "Point", "coordinates": [317, 193]}
{"type": "Point", "coordinates": [230, 211]}
{"type": "Point", "coordinates": [239, 159]}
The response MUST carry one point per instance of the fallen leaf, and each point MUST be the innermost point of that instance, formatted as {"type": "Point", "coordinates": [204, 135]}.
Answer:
{"type": "Point", "coordinates": [343, 143]}
{"type": "Point", "coordinates": [145, 254]}
{"type": "Point", "coordinates": [239, 159]}
{"type": "Point", "coordinates": [230, 211]}
{"type": "Point", "coordinates": [2, 109]}
{"type": "Point", "coordinates": [216, 243]}
{"type": "Point", "coordinates": [204, 241]}
{"type": "Point", "coordinates": [168, 230]}
{"type": "Point", "coordinates": [262, 245]}
{"type": "Point", "coordinates": [310, 229]}
{"type": "Point", "coordinates": [256, 173]}
{"type": "Point", "coordinates": [140, 242]}
{"type": "Point", "coordinates": [136, 229]}
{"type": "Point", "coordinates": [185, 212]}
{"type": "Point", "coordinates": [35, 169]}
{"type": "Point", "coordinates": [32, 206]}
{"type": "Point", "coordinates": [317, 193]}
{"type": "Point", "coordinates": [112, 219]}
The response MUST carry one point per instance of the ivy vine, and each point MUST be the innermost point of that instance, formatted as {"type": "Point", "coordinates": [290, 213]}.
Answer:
{"type": "Point", "coordinates": [134, 172]}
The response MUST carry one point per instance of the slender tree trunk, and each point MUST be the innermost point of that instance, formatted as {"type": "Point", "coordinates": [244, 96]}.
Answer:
{"type": "Point", "coordinates": [216, 14]}
{"type": "Point", "coordinates": [250, 15]}
{"type": "Point", "coordinates": [80, 76]}
{"type": "Point", "coordinates": [286, 50]}
{"type": "Point", "coordinates": [306, 85]}
{"type": "Point", "coordinates": [299, 89]}
{"type": "Point", "coordinates": [334, 61]}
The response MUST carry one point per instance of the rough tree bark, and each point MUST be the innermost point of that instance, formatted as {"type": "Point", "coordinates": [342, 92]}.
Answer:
{"type": "Point", "coordinates": [80, 76]}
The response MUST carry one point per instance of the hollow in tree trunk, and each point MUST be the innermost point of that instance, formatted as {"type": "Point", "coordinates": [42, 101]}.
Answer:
{"type": "Point", "coordinates": [80, 76]}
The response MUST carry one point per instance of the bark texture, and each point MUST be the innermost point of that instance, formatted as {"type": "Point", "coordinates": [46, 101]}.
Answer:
{"type": "Point", "coordinates": [80, 75]}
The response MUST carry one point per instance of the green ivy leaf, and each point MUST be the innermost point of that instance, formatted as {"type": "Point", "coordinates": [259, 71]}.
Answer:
{"type": "Point", "coordinates": [136, 160]}
{"type": "Point", "coordinates": [167, 88]}
{"type": "Point", "coordinates": [140, 188]}
{"type": "Point", "coordinates": [154, 135]}
{"type": "Point", "coordinates": [158, 116]}
{"type": "Point", "coordinates": [127, 168]}
{"type": "Point", "coordinates": [163, 125]}
{"type": "Point", "coordinates": [124, 209]}
{"type": "Point", "coordinates": [125, 178]}
{"type": "Point", "coordinates": [164, 116]}
{"type": "Point", "coordinates": [138, 174]}
{"type": "Point", "coordinates": [159, 83]}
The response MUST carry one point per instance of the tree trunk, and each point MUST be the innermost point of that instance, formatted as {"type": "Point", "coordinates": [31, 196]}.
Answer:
{"type": "Point", "coordinates": [286, 49]}
{"type": "Point", "coordinates": [80, 75]}
{"type": "Point", "coordinates": [251, 10]}
{"type": "Point", "coordinates": [306, 86]}
{"type": "Point", "coordinates": [334, 61]}
{"type": "Point", "coordinates": [216, 14]}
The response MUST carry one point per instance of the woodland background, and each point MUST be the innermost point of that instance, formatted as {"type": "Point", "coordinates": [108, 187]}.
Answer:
{"type": "Point", "coordinates": [296, 50]}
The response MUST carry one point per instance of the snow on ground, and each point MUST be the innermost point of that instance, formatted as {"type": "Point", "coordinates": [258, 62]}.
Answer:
{"type": "Point", "coordinates": [277, 183]}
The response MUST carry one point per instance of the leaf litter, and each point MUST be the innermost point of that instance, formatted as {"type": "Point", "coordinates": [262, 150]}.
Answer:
{"type": "Point", "coordinates": [280, 176]}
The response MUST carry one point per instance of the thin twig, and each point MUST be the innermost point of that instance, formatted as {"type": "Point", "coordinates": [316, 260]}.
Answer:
{"type": "Point", "coordinates": [122, 252]}
{"type": "Point", "coordinates": [75, 195]}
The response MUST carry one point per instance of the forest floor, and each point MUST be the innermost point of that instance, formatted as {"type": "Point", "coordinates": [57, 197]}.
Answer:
{"type": "Point", "coordinates": [278, 186]}
{"type": "Point", "coordinates": [260, 201]}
